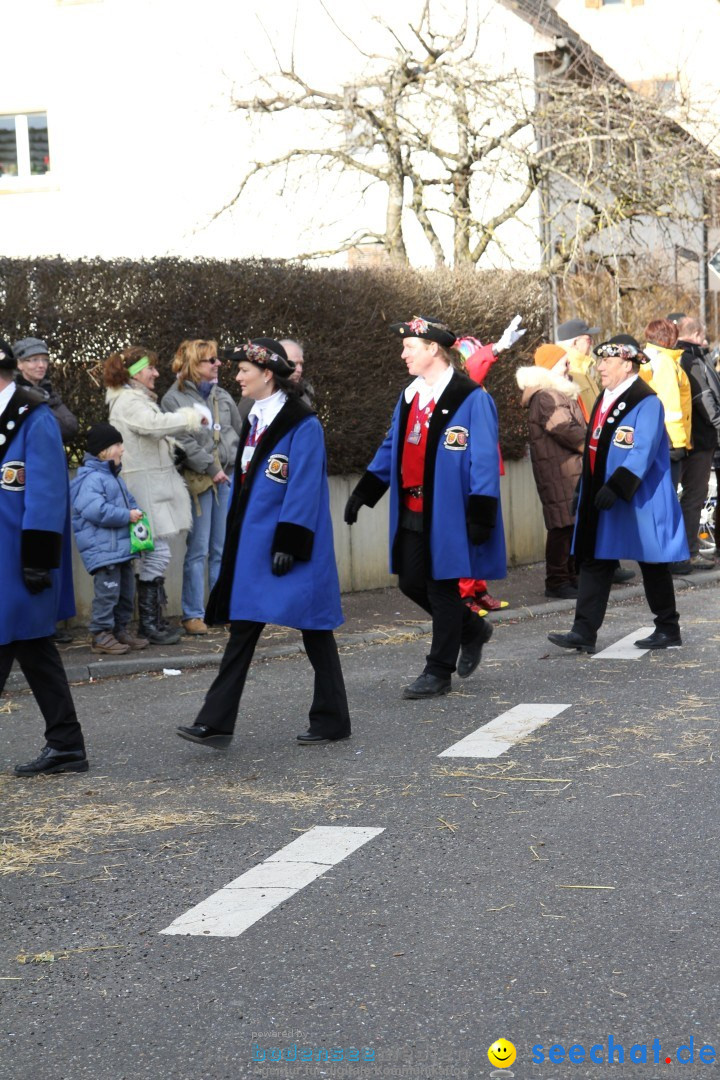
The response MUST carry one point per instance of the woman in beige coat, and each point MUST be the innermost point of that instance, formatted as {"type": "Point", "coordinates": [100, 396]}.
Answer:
{"type": "Point", "coordinates": [150, 473]}
{"type": "Point", "coordinates": [557, 439]}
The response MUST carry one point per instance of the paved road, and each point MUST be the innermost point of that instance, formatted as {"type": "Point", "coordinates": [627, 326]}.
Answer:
{"type": "Point", "coordinates": [461, 922]}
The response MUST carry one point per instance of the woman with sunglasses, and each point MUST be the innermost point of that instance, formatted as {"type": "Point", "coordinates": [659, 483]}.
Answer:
{"type": "Point", "coordinates": [207, 468]}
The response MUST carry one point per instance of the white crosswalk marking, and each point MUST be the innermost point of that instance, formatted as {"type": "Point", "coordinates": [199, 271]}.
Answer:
{"type": "Point", "coordinates": [494, 738]}
{"type": "Point", "coordinates": [231, 910]}
{"type": "Point", "coordinates": [624, 648]}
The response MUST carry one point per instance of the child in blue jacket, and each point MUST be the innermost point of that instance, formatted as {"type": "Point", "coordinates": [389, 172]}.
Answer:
{"type": "Point", "coordinates": [102, 510]}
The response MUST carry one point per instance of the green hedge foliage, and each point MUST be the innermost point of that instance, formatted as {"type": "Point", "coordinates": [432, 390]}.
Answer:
{"type": "Point", "coordinates": [87, 308]}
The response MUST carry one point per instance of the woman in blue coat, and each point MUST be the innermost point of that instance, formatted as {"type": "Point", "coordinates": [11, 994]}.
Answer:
{"type": "Point", "coordinates": [440, 460]}
{"type": "Point", "coordinates": [37, 581]}
{"type": "Point", "coordinates": [627, 506]}
{"type": "Point", "coordinates": [278, 563]}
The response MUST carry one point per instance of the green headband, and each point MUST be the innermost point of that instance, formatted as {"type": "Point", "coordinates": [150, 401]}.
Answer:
{"type": "Point", "coordinates": [139, 365]}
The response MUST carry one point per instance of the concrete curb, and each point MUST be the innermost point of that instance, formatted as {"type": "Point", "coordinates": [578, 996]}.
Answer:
{"type": "Point", "coordinates": [141, 665]}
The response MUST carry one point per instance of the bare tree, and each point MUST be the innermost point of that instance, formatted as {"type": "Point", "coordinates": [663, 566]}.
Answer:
{"type": "Point", "coordinates": [463, 149]}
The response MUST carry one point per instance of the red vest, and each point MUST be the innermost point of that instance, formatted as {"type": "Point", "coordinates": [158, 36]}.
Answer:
{"type": "Point", "coordinates": [413, 456]}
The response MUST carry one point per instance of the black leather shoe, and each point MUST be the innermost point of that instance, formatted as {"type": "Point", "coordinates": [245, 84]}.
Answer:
{"type": "Point", "coordinates": [471, 654]}
{"type": "Point", "coordinates": [54, 761]}
{"type": "Point", "coordinates": [563, 592]}
{"type": "Point", "coordinates": [572, 640]}
{"type": "Point", "coordinates": [427, 686]}
{"type": "Point", "coordinates": [314, 738]}
{"type": "Point", "coordinates": [207, 736]}
{"type": "Point", "coordinates": [681, 569]}
{"type": "Point", "coordinates": [622, 575]}
{"type": "Point", "coordinates": [659, 640]}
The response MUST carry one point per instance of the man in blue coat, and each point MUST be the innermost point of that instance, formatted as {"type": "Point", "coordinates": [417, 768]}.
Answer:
{"type": "Point", "coordinates": [627, 507]}
{"type": "Point", "coordinates": [440, 460]}
{"type": "Point", "coordinates": [33, 521]}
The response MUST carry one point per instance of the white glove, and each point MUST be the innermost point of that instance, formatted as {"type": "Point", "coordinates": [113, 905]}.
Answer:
{"type": "Point", "coordinates": [510, 335]}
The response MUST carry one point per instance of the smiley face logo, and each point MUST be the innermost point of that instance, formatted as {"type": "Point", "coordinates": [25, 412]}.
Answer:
{"type": "Point", "coordinates": [501, 1054]}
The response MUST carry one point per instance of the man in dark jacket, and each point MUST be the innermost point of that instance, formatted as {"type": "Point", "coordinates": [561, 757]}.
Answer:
{"type": "Point", "coordinates": [32, 359]}
{"type": "Point", "coordinates": [696, 466]}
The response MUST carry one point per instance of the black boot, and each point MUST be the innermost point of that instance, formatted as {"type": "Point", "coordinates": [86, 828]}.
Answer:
{"type": "Point", "coordinates": [148, 594]}
{"type": "Point", "coordinates": [162, 622]}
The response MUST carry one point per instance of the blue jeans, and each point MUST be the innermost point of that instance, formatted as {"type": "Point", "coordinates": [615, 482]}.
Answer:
{"type": "Point", "coordinates": [112, 608]}
{"type": "Point", "coordinates": [204, 546]}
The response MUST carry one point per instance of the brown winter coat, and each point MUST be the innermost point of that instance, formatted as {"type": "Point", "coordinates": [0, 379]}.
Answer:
{"type": "Point", "coordinates": [557, 437]}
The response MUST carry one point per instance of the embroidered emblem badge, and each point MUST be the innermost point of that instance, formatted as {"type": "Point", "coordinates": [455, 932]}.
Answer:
{"type": "Point", "coordinates": [456, 438]}
{"type": "Point", "coordinates": [277, 468]}
{"type": "Point", "coordinates": [12, 476]}
{"type": "Point", "coordinates": [625, 437]}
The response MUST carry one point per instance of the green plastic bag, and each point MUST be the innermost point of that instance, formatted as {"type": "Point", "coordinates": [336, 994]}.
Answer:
{"type": "Point", "coordinates": [141, 538]}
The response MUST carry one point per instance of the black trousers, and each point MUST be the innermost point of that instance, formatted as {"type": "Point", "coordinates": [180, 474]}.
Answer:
{"type": "Point", "coordinates": [594, 589]}
{"type": "Point", "coordinates": [695, 478]}
{"type": "Point", "coordinates": [559, 563]}
{"type": "Point", "coordinates": [329, 712]}
{"type": "Point", "coordinates": [453, 624]}
{"type": "Point", "coordinates": [41, 665]}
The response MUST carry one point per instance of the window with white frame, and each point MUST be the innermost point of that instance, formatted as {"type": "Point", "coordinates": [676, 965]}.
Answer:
{"type": "Point", "coordinates": [24, 147]}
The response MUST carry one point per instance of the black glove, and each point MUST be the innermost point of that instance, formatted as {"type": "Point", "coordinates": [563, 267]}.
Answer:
{"type": "Point", "coordinates": [179, 456]}
{"type": "Point", "coordinates": [605, 498]}
{"type": "Point", "coordinates": [36, 580]}
{"type": "Point", "coordinates": [352, 507]}
{"type": "Point", "coordinates": [677, 453]}
{"type": "Point", "coordinates": [478, 533]}
{"type": "Point", "coordinates": [282, 563]}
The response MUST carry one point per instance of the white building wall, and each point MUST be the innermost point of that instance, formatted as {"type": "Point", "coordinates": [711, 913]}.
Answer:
{"type": "Point", "coordinates": [145, 147]}
{"type": "Point", "coordinates": [660, 40]}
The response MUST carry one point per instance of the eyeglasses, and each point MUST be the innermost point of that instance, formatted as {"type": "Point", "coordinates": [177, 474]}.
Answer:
{"type": "Point", "coordinates": [211, 360]}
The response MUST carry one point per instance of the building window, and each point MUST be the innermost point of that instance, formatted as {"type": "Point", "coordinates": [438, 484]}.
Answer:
{"type": "Point", "coordinates": [24, 148]}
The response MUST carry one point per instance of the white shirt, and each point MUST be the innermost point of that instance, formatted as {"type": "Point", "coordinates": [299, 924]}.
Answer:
{"type": "Point", "coordinates": [5, 396]}
{"type": "Point", "coordinates": [265, 410]}
{"type": "Point", "coordinates": [425, 391]}
{"type": "Point", "coordinates": [262, 415]}
{"type": "Point", "coordinates": [611, 395]}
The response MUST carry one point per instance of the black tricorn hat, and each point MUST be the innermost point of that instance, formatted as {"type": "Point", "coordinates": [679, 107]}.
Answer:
{"type": "Point", "coordinates": [623, 345]}
{"type": "Point", "coordinates": [7, 356]}
{"type": "Point", "coordinates": [264, 352]}
{"type": "Point", "coordinates": [427, 328]}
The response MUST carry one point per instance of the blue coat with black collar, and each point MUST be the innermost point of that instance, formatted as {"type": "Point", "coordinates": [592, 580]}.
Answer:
{"type": "Point", "coordinates": [633, 459]}
{"type": "Point", "coordinates": [461, 482]}
{"type": "Point", "coordinates": [282, 504]}
{"type": "Point", "coordinates": [34, 518]}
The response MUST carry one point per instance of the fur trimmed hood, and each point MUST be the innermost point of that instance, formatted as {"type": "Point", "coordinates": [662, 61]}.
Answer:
{"type": "Point", "coordinates": [532, 379]}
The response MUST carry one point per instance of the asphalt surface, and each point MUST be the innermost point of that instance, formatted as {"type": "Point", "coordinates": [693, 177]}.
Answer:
{"type": "Point", "coordinates": [371, 617]}
{"type": "Point", "coordinates": [561, 894]}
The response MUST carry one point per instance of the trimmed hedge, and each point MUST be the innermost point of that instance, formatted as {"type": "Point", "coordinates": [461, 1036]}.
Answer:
{"type": "Point", "coordinates": [86, 309]}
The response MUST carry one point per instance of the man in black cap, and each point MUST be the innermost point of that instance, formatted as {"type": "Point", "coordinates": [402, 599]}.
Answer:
{"type": "Point", "coordinates": [626, 507]}
{"type": "Point", "coordinates": [575, 337]}
{"type": "Point", "coordinates": [440, 461]}
{"type": "Point", "coordinates": [34, 509]}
